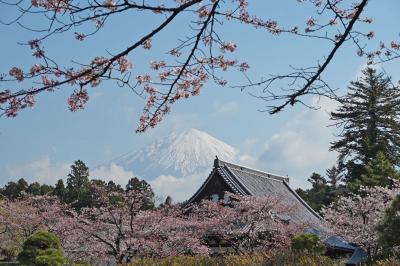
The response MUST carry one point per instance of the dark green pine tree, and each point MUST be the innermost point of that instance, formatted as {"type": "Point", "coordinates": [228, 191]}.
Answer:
{"type": "Point", "coordinates": [377, 172]}
{"type": "Point", "coordinates": [46, 189]}
{"type": "Point", "coordinates": [335, 185]}
{"type": "Point", "coordinates": [389, 228]}
{"type": "Point", "coordinates": [60, 190]}
{"type": "Point", "coordinates": [317, 196]}
{"type": "Point", "coordinates": [137, 185]}
{"type": "Point", "coordinates": [369, 119]}
{"type": "Point", "coordinates": [78, 186]}
{"type": "Point", "coordinates": [34, 189]}
{"type": "Point", "coordinates": [14, 190]}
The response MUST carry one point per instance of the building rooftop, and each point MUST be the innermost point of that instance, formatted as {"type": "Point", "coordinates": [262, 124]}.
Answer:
{"type": "Point", "coordinates": [245, 181]}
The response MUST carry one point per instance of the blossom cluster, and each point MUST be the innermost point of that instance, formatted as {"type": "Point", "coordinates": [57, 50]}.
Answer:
{"type": "Point", "coordinates": [355, 217]}
{"type": "Point", "coordinates": [54, 5]}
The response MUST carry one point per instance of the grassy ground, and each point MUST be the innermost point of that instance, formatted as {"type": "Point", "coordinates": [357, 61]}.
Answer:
{"type": "Point", "coordinates": [251, 260]}
{"type": "Point", "coordinates": [277, 259]}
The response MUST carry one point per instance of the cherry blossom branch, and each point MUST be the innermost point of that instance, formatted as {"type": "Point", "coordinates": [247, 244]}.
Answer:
{"type": "Point", "coordinates": [310, 78]}
{"type": "Point", "coordinates": [206, 54]}
{"type": "Point", "coordinates": [156, 116]}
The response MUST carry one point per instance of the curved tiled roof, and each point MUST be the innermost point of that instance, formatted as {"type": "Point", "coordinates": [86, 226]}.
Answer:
{"type": "Point", "coordinates": [250, 182]}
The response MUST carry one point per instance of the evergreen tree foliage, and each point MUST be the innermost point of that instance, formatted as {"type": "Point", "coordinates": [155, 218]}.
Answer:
{"type": "Point", "coordinates": [60, 190]}
{"type": "Point", "coordinates": [135, 184]}
{"type": "Point", "coordinates": [378, 172]}
{"type": "Point", "coordinates": [79, 175]}
{"type": "Point", "coordinates": [334, 177]}
{"type": "Point", "coordinates": [14, 190]}
{"type": "Point", "coordinates": [78, 186]}
{"type": "Point", "coordinates": [34, 189]}
{"type": "Point", "coordinates": [82, 192]}
{"type": "Point", "coordinates": [46, 189]}
{"type": "Point", "coordinates": [316, 197]}
{"type": "Point", "coordinates": [335, 185]}
{"type": "Point", "coordinates": [168, 201]}
{"type": "Point", "coordinates": [79, 191]}
{"type": "Point", "coordinates": [10, 190]}
{"type": "Point", "coordinates": [324, 190]}
{"type": "Point", "coordinates": [111, 186]}
{"type": "Point", "coordinates": [22, 185]}
{"type": "Point", "coordinates": [369, 118]}
{"type": "Point", "coordinates": [389, 229]}
{"type": "Point", "coordinates": [42, 248]}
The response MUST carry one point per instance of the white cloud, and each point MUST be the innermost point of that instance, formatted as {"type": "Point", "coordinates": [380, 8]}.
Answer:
{"type": "Point", "coordinates": [112, 172]}
{"type": "Point", "coordinates": [248, 144]}
{"type": "Point", "coordinates": [41, 170]}
{"type": "Point", "coordinates": [302, 146]}
{"type": "Point", "coordinates": [179, 188]}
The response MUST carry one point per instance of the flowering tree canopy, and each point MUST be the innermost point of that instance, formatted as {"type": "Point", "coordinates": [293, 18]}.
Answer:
{"type": "Point", "coordinates": [121, 230]}
{"type": "Point", "coordinates": [357, 216]}
{"type": "Point", "coordinates": [251, 224]}
{"type": "Point", "coordinates": [21, 218]}
{"type": "Point", "coordinates": [200, 56]}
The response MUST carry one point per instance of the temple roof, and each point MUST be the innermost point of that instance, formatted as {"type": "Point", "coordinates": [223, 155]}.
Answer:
{"type": "Point", "coordinates": [250, 182]}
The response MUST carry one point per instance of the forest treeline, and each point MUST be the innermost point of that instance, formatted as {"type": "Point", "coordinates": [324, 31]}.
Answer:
{"type": "Point", "coordinates": [79, 190]}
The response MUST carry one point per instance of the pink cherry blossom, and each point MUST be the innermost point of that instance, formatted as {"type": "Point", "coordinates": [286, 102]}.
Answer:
{"type": "Point", "coordinates": [355, 217]}
{"type": "Point", "coordinates": [17, 73]}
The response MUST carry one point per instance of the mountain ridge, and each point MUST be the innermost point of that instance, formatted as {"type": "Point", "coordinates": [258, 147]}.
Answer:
{"type": "Point", "coordinates": [178, 154]}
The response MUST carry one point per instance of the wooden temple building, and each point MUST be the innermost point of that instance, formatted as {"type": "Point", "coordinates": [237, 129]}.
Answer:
{"type": "Point", "coordinates": [244, 181]}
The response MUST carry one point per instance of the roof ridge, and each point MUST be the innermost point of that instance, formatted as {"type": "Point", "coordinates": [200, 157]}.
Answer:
{"type": "Point", "coordinates": [254, 171]}
{"type": "Point", "coordinates": [202, 186]}
{"type": "Point", "coordinates": [247, 191]}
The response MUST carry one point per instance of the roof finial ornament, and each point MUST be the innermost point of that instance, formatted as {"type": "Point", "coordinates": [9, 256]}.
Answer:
{"type": "Point", "coordinates": [216, 161]}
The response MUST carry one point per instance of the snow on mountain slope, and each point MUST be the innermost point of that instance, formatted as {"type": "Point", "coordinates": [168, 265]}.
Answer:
{"type": "Point", "coordinates": [179, 154]}
{"type": "Point", "coordinates": [178, 164]}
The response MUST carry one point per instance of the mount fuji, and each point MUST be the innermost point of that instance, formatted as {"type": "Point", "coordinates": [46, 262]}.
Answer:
{"type": "Point", "coordinates": [177, 164]}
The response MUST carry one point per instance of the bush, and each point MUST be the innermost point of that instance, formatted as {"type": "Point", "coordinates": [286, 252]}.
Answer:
{"type": "Point", "coordinates": [42, 249]}
{"type": "Point", "coordinates": [309, 243]}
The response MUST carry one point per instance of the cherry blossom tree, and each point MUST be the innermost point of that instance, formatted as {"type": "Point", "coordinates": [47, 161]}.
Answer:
{"type": "Point", "coordinates": [250, 224]}
{"type": "Point", "coordinates": [20, 218]}
{"type": "Point", "coordinates": [200, 56]}
{"type": "Point", "coordinates": [121, 229]}
{"type": "Point", "coordinates": [356, 217]}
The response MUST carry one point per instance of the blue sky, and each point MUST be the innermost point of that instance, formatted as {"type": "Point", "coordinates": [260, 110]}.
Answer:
{"type": "Point", "coordinates": [294, 142]}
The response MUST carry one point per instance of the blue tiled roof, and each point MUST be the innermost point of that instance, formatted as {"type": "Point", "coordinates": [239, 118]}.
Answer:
{"type": "Point", "coordinates": [339, 243]}
{"type": "Point", "coordinates": [358, 256]}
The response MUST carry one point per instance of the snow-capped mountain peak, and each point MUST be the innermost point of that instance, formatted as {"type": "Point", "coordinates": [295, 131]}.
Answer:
{"type": "Point", "coordinates": [178, 154]}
